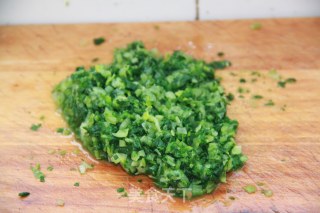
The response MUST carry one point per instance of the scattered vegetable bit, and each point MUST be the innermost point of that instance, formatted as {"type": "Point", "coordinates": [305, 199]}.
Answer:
{"type": "Point", "coordinates": [255, 73]}
{"type": "Point", "coordinates": [79, 68]}
{"type": "Point", "coordinates": [230, 97]}
{"type": "Point", "coordinates": [42, 117]}
{"type": "Point", "coordinates": [37, 172]}
{"type": "Point", "coordinates": [243, 90]}
{"type": "Point", "coordinates": [233, 74]}
{"type": "Point", "coordinates": [256, 26]}
{"type": "Point", "coordinates": [84, 166]}
{"type": "Point", "coordinates": [76, 151]}
{"type": "Point", "coordinates": [267, 193]}
{"type": "Point", "coordinates": [64, 131]}
{"type": "Point", "coordinates": [94, 60]}
{"type": "Point", "coordinates": [257, 97]}
{"type": "Point", "coordinates": [269, 103]}
{"type": "Point", "coordinates": [141, 111]}
{"type": "Point", "coordinates": [76, 184]}
{"type": "Point", "coordinates": [140, 180]}
{"type": "Point", "coordinates": [141, 192]}
{"type": "Point", "coordinates": [232, 198]}
{"type": "Point", "coordinates": [260, 184]}
{"type": "Point", "coordinates": [24, 194]}
{"type": "Point", "coordinates": [50, 168]}
{"type": "Point", "coordinates": [241, 96]}
{"type": "Point", "coordinates": [220, 54]}
{"type": "Point", "coordinates": [283, 108]}
{"type": "Point", "coordinates": [35, 127]}
{"type": "Point", "coordinates": [99, 41]}
{"type": "Point", "coordinates": [288, 80]}
{"type": "Point", "coordinates": [242, 80]}
{"type": "Point", "coordinates": [59, 202]}
{"type": "Point", "coordinates": [254, 80]}
{"type": "Point", "coordinates": [156, 27]}
{"type": "Point", "coordinates": [62, 152]}
{"type": "Point", "coordinates": [250, 189]}
{"type": "Point", "coordinates": [120, 190]}
{"type": "Point", "coordinates": [274, 74]}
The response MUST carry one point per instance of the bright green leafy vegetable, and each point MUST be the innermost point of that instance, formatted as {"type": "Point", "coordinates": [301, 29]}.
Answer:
{"type": "Point", "coordinates": [160, 116]}
{"type": "Point", "coordinates": [99, 41]}
{"type": "Point", "coordinates": [37, 172]}
{"type": "Point", "coordinates": [24, 194]}
{"type": "Point", "coordinates": [250, 189]}
{"type": "Point", "coordinates": [76, 184]}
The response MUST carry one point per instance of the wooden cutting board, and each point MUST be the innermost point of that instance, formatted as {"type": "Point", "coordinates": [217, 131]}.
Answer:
{"type": "Point", "coordinates": [281, 141]}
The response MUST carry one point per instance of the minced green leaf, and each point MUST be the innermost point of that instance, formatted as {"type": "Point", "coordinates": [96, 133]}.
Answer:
{"type": "Point", "coordinates": [250, 189]}
{"type": "Point", "coordinates": [162, 116]}
{"type": "Point", "coordinates": [37, 172]}
{"type": "Point", "coordinates": [267, 193]}
{"type": "Point", "coordinates": [230, 97]}
{"type": "Point", "coordinates": [120, 190]}
{"type": "Point", "coordinates": [76, 184]}
{"type": "Point", "coordinates": [220, 54]}
{"type": "Point", "coordinates": [269, 103]}
{"type": "Point", "coordinates": [62, 152]}
{"type": "Point", "coordinates": [284, 82]}
{"type": "Point", "coordinates": [242, 80]}
{"type": "Point", "coordinates": [99, 41]}
{"type": "Point", "coordinates": [24, 194]}
{"type": "Point", "coordinates": [64, 131]}
{"type": "Point", "coordinates": [256, 26]}
{"type": "Point", "coordinates": [50, 168]}
{"type": "Point", "coordinates": [257, 97]}
{"type": "Point", "coordinates": [35, 127]}
{"type": "Point", "coordinates": [84, 166]}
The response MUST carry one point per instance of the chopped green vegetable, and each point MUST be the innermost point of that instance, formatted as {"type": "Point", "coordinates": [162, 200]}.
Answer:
{"type": "Point", "coordinates": [274, 74]}
{"type": "Point", "coordinates": [243, 90]}
{"type": "Point", "coordinates": [220, 54]}
{"type": "Point", "coordinates": [242, 80]}
{"type": "Point", "coordinates": [257, 97]}
{"type": "Point", "coordinates": [256, 26]}
{"type": "Point", "coordinates": [24, 194]}
{"type": "Point", "coordinates": [50, 168]}
{"type": "Point", "coordinates": [140, 180]}
{"type": "Point", "coordinates": [42, 117]}
{"type": "Point", "coordinates": [250, 189]}
{"type": "Point", "coordinates": [156, 27]}
{"type": "Point", "coordinates": [284, 82]}
{"type": "Point", "coordinates": [37, 172]}
{"type": "Point", "coordinates": [255, 73]}
{"type": "Point", "coordinates": [84, 166]}
{"type": "Point", "coordinates": [160, 116]}
{"type": "Point", "coordinates": [76, 184]}
{"type": "Point", "coordinates": [230, 97]}
{"type": "Point", "coordinates": [267, 193]}
{"type": "Point", "coordinates": [269, 103]}
{"type": "Point", "coordinates": [232, 198]}
{"type": "Point", "coordinates": [98, 41]}
{"type": "Point", "coordinates": [64, 131]}
{"type": "Point", "coordinates": [94, 60]}
{"type": "Point", "coordinates": [59, 202]}
{"type": "Point", "coordinates": [35, 127]}
{"type": "Point", "coordinates": [120, 190]}
{"type": "Point", "coordinates": [62, 152]}
{"type": "Point", "coordinates": [260, 184]}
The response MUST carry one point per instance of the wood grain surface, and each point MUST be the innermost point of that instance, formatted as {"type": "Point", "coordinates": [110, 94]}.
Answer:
{"type": "Point", "coordinates": [282, 142]}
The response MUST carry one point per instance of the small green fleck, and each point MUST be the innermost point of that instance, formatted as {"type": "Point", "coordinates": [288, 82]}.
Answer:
{"type": "Point", "coordinates": [254, 80]}
{"type": "Point", "coordinates": [243, 90]}
{"type": "Point", "coordinates": [35, 127]}
{"type": "Point", "coordinates": [62, 152]}
{"type": "Point", "coordinates": [232, 198]}
{"type": "Point", "coordinates": [99, 41]}
{"type": "Point", "coordinates": [120, 190]}
{"type": "Point", "coordinates": [94, 60]}
{"type": "Point", "coordinates": [242, 80]}
{"type": "Point", "coordinates": [76, 184]}
{"type": "Point", "coordinates": [140, 180]}
{"type": "Point", "coordinates": [233, 74]}
{"type": "Point", "coordinates": [63, 131]}
{"type": "Point", "coordinates": [37, 172]}
{"type": "Point", "coordinates": [291, 80]}
{"type": "Point", "coordinates": [267, 193]}
{"type": "Point", "coordinates": [59, 202]}
{"type": "Point", "coordinates": [274, 74]}
{"type": "Point", "coordinates": [256, 26]}
{"type": "Point", "coordinates": [260, 184]}
{"type": "Point", "coordinates": [269, 103]}
{"type": "Point", "coordinates": [24, 194]}
{"type": "Point", "coordinates": [156, 27]}
{"type": "Point", "coordinates": [42, 117]}
{"type": "Point", "coordinates": [220, 54]}
{"type": "Point", "coordinates": [50, 168]}
{"type": "Point", "coordinates": [257, 97]}
{"type": "Point", "coordinates": [283, 108]}
{"type": "Point", "coordinates": [241, 96]}
{"type": "Point", "coordinates": [282, 84]}
{"type": "Point", "coordinates": [141, 192]}
{"type": "Point", "coordinates": [84, 166]}
{"type": "Point", "coordinates": [76, 151]}
{"type": "Point", "coordinates": [250, 189]}
{"type": "Point", "coordinates": [230, 97]}
{"type": "Point", "coordinates": [255, 73]}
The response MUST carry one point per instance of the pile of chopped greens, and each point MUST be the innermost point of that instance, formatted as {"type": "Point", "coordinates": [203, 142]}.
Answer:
{"type": "Point", "coordinates": [160, 116]}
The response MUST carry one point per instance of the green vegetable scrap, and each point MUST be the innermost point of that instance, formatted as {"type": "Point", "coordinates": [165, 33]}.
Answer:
{"type": "Point", "coordinates": [257, 97]}
{"type": "Point", "coordinates": [35, 127]}
{"type": "Point", "coordinates": [242, 80]}
{"type": "Point", "coordinates": [76, 184]}
{"type": "Point", "coordinates": [99, 41]}
{"type": "Point", "coordinates": [37, 172]}
{"type": "Point", "coordinates": [267, 193]}
{"type": "Point", "coordinates": [84, 166]}
{"type": "Point", "coordinates": [50, 168]}
{"type": "Point", "coordinates": [284, 82]}
{"type": "Point", "coordinates": [64, 131]}
{"type": "Point", "coordinates": [256, 26]}
{"type": "Point", "coordinates": [160, 116]}
{"type": "Point", "coordinates": [269, 103]}
{"type": "Point", "coordinates": [24, 194]}
{"type": "Point", "coordinates": [250, 189]}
